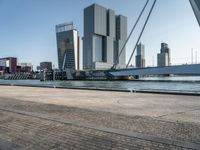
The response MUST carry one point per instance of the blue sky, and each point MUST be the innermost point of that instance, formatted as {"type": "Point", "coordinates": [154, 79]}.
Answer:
{"type": "Point", "coordinates": [27, 27]}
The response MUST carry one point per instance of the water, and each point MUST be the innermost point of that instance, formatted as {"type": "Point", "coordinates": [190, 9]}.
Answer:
{"type": "Point", "coordinates": [175, 78]}
{"type": "Point", "coordinates": [177, 84]}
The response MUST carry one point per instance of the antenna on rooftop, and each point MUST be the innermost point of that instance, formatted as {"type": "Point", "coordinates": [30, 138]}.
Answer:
{"type": "Point", "coordinates": [196, 57]}
{"type": "Point", "coordinates": [192, 56]}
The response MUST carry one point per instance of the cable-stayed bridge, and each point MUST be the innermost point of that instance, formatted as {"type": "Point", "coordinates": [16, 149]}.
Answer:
{"type": "Point", "coordinates": [192, 69]}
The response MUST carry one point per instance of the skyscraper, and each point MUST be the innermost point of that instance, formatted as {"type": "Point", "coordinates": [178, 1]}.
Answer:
{"type": "Point", "coordinates": [68, 46]}
{"type": "Point", "coordinates": [140, 57]}
{"type": "Point", "coordinates": [104, 35]}
{"type": "Point", "coordinates": [163, 58]}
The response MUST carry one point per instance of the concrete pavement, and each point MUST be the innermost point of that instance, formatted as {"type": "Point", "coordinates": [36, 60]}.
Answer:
{"type": "Point", "coordinates": [43, 118]}
{"type": "Point", "coordinates": [172, 107]}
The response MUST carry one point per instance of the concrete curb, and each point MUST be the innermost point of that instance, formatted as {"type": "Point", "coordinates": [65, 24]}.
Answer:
{"type": "Point", "coordinates": [112, 90]}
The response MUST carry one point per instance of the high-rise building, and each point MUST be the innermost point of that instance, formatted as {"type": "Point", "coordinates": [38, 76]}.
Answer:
{"type": "Point", "coordinates": [104, 35]}
{"type": "Point", "coordinates": [163, 58]}
{"type": "Point", "coordinates": [140, 57]}
{"type": "Point", "coordinates": [68, 47]}
{"type": "Point", "coordinates": [196, 8]}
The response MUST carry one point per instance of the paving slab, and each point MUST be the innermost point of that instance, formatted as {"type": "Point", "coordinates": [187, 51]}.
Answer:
{"type": "Point", "coordinates": [42, 118]}
{"type": "Point", "coordinates": [6, 145]}
{"type": "Point", "coordinates": [153, 105]}
{"type": "Point", "coordinates": [33, 132]}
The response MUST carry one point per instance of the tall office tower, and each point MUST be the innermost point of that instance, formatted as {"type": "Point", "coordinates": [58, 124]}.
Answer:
{"type": "Point", "coordinates": [68, 46]}
{"type": "Point", "coordinates": [104, 35]}
{"type": "Point", "coordinates": [163, 58]}
{"type": "Point", "coordinates": [196, 8]}
{"type": "Point", "coordinates": [140, 57]}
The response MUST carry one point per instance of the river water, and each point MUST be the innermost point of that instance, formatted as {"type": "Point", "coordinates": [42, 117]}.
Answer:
{"type": "Point", "coordinates": [176, 84]}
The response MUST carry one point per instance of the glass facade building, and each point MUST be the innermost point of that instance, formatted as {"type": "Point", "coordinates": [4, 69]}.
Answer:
{"type": "Point", "coordinates": [163, 58]}
{"type": "Point", "coordinates": [68, 46]}
{"type": "Point", "coordinates": [140, 57]}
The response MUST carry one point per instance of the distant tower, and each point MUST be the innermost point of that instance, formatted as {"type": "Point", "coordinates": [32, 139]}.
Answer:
{"type": "Point", "coordinates": [68, 46]}
{"type": "Point", "coordinates": [140, 57]}
{"type": "Point", "coordinates": [163, 58]}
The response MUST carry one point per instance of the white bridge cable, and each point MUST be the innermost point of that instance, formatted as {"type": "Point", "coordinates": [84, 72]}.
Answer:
{"type": "Point", "coordinates": [141, 32]}
{"type": "Point", "coordinates": [116, 61]}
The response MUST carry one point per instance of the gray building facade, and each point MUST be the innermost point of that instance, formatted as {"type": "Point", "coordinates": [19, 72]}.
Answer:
{"type": "Point", "coordinates": [140, 57]}
{"type": "Point", "coordinates": [163, 58]}
{"type": "Point", "coordinates": [104, 35]}
{"type": "Point", "coordinates": [68, 46]}
{"type": "Point", "coordinates": [45, 66]}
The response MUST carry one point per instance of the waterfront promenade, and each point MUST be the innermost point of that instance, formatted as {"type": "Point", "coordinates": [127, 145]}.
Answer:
{"type": "Point", "coordinates": [47, 118]}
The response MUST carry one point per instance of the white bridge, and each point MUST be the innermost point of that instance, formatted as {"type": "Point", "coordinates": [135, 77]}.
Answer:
{"type": "Point", "coordinates": [193, 69]}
